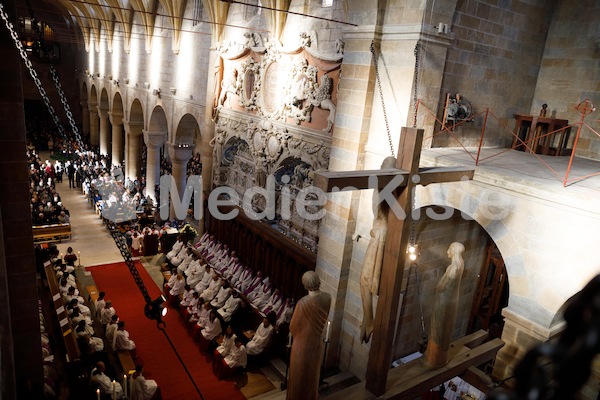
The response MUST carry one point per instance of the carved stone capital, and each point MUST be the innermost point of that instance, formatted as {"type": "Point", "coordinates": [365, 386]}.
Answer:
{"type": "Point", "coordinates": [115, 118]}
{"type": "Point", "coordinates": [154, 139]}
{"type": "Point", "coordinates": [180, 154]}
{"type": "Point", "coordinates": [133, 127]}
{"type": "Point", "coordinates": [102, 112]}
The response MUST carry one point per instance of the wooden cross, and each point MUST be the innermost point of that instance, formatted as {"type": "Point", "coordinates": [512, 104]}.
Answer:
{"type": "Point", "coordinates": [398, 231]}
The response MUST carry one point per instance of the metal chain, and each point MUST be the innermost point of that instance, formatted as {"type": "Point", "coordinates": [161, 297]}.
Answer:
{"type": "Point", "coordinates": [29, 66]}
{"type": "Point", "coordinates": [377, 78]}
{"type": "Point", "coordinates": [124, 249]}
{"type": "Point", "coordinates": [54, 75]}
{"type": "Point", "coordinates": [63, 100]}
{"type": "Point", "coordinates": [416, 83]}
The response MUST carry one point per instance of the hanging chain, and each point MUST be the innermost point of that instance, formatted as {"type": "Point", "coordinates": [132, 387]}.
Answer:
{"type": "Point", "coordinates": [29, 65]}
{"type": "Point", "coordinates": [124, 249]}
{"type": "Point", "coordinates": [416, 83]}
{"type": "Point", "coordinates": [63, 100]}
{"type": "Point", "coordinates": [377, 78]}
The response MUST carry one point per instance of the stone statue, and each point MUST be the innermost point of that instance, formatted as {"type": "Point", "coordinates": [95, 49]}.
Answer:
{"type": "Point", "coordinates": [445, 306]}
{"type": "Point", "coordinates": [217, 143]}
{"type": "Point", "coordinates": [321, 97]}
{"type": "Point", "coordinates": [306, 327]}
{"type": "Point", "coordinates": [371, 268]}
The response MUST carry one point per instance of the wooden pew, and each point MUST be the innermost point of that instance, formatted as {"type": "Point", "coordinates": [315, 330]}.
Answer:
{"type": "Point", "coordinates": [92, 293]}
{"type": "Point", "coordinates": [51, 233]}
{"type": "Point", "coordinates": [126, 362]}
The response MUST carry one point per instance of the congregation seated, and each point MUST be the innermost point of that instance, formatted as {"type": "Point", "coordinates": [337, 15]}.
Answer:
{"type": "Point", "coordinates": [142, 388]}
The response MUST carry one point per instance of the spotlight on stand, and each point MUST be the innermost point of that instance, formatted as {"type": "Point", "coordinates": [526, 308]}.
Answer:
{"type": "Point", "coordinates": [155, 309]}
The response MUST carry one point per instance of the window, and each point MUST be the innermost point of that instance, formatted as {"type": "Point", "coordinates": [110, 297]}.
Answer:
{"type": "Point", "coordinates": [197, 14]}
{"type": "Point", "coordinates": [327, 3]}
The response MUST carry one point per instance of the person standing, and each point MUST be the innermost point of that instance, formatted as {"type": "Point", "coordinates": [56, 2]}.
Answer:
{"type": "Point", "coordinates": [71, 174]}
{"type": "Point", "coordinates": [306, 327]}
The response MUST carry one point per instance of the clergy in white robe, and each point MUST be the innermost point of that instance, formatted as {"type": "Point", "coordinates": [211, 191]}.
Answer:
{"type": "Point", "coordinates": [205, 281]}
{"type": "Point", "coordinates": [274, 303]}
{"type": "Point", "coordinates": [121, 339]}
{"type": "Point", "coordinates": [228, 341]}
{"type": "Point", "coordinates": [231, 304]}
{"type": "Point", "coordinates": [186, 260]}
{"type": "Point", "coordinates": [221, 297]}
{"type": "Point", "coordinates": [261, 338]}
{"type": "Point", "coordinates": [111, 329]}
{"type": "Point", "coordinates": [142, 388]}
{"type": "Point", "coordinates": [237, 356]}
{"type": "Point", "coordinates": [178, 286]}
{"type": "Point", "coordinates": [253, 284]}
{"type": "Point", "coordinates": [176, 248]}
{"type": "Point", "coordinates": [212, 327]}
{"type": "Point", "coordinates": [188, 296]}
{"type": "Point", "coordinates": [104, 383]}
{"type": "Point", "coordinates": [213, 288]}
{"type": "Point", "coordinates": [195, 273]}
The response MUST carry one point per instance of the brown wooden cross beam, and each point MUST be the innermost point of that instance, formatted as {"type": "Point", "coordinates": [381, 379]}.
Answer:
{"type": "Point", "coordinates": [398, 231]}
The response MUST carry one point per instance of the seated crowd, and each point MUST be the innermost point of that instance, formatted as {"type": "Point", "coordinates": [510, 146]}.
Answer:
{"type": "Point", "coordinates": [46, 205]}
{"type": "Point", "coordinates": [214, 292]}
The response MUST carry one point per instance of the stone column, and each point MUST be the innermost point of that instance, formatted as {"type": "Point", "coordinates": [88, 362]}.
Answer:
{"type": "Point", "coordinates": [116, 120]}
{"type": "Point", "coordinates": [94, 128]}
{"type": "Point", "coordinates": [133, 149]}
{"type": "Point", "coordinates": [104, 130]}
{"type": "Point", "coordinates": [153, 140]}
{"type": "Point", "coordinates": [85, 119]}
{"type": "Point", "coordinates": [180, 156]}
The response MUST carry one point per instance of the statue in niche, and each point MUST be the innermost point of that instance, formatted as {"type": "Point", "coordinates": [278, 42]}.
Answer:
{"type": "Point", "coordinates": [260, 176]}
{"type": "Point", "coordinates": [306, 327]}
{"type": "Point", "coordinates": [445, 307]}
{"type": "Point", "coordinates": [371, 269]}
{"type": "Point", "coordinates": [217, 143]}
{"type": "Point", "coordinates": [321, 97]}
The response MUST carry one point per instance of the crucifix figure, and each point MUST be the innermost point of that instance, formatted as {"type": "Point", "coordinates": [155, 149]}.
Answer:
{"type": "Point", "coordinates": [395, 186]}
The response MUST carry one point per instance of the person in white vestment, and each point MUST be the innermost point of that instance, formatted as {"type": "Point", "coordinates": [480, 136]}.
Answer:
{"type": "Point", "coordinates": [213, 288]}
{"type": "Point", "coordinates": [212, 327]}
{"type": "Point", "coordinates": [104, 383]}
{"type": "Point", "coordinates": [231, 304]}
{"type": "Point", "coordinates": [222, 296]}
{"type": "Point", "coordinates": [99, 303]}
{"type": "Point", "coordinates": [205, 281]}
{"type": "Point", "coordinates": [111, 328]}
{"type": "Point", "coordinates": [188, 295]}
{"type": "Point", "coordinates": [121, 339]}
{"type": "Point", "coordinates": [142, 388]}
{"type": "Point", "coordinates": [261, 338]}
{"type": "Point", "coordinates": [107, 312]}
{"type": "Point", "coordinates": [228, 341]}
{"type": "Point", "coordinates": [178, 286]}
{"type": "Point", "coordinates": [175, 249]}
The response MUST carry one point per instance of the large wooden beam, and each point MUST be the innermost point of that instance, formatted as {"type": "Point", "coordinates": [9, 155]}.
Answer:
{"type": "Point", "coordinates": [445, 174]}
{"type": "Point", "coordinates": [394, 260]}
{"type": "Point", "coordinates": [331, 181]}
{"type": "Point", "coordinates": [422, 379]}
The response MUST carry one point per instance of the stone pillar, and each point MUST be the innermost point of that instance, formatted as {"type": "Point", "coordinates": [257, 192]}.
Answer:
{"type": "Point", "coordinates": [179, 159]}
{"type": "Point", "coordinates": [94, 127]}
{"type": "Point", "coordinates": [519, 335]}
{"type": "Point", "coordinates": [116, 120]}
{"type": "Point", "coordinates": [153, 140]}
{"type": "Point", "coordinates": [20, 345]}
{"type": "Point", "coordinates": [133, 161]}
{"type": "Point", "coordinates": [104, 131]}
{"type": "Point", "coordinates": [85, 119]}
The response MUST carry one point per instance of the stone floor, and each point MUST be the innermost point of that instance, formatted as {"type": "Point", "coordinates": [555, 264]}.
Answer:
{"type": "Point", "coordinates": [530, 174]}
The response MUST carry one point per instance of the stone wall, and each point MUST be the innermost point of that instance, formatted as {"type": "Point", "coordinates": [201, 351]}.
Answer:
{"type": "Point", "coordinates": [569, 70]}
{"type": "Point", "coordinates": [493, 62]}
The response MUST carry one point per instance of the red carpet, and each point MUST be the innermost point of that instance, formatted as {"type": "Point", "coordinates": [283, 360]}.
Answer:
{"type": "Point", "coordinates": [159, 359]}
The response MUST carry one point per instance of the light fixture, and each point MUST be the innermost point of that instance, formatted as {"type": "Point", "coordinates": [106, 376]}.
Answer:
{"type": "Point", "coordinates": [413, 252]}
{"type": "Point", "coordinates": [127, 81]}
{"type": "Point", "coordinates": [155, 309]}
{"type": "Point", "coordinates": [110, 77]}
{"type": "Point", "coordinates": [156, 92]}
{"type": "Point", "coordinates": [147, 85]}
{"type": "Point", "coordinates": [173, 91]}
{"type": "Point", "coordinates": [116, 82]}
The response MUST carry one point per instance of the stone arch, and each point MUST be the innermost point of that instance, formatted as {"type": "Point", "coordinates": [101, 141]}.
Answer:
{"type": "Point", "coordinates": [188, 131]}
{"type": "Point", "coordinates": [158, 121]}
{"type": "Point", "coordinates": [94, 122]}
{"type": "Point", "coordinates": [459, 197]}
